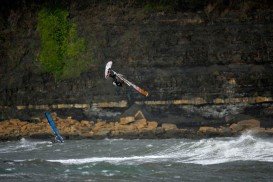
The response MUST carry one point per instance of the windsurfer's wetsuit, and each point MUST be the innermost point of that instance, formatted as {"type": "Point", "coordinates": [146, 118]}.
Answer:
{"type": "Point", "coordinates": [55, 140]}
{"type": "Point", "coordinates": [116, 80]}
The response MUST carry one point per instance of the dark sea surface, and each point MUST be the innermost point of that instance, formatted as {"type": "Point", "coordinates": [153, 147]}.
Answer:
{"type": "Point", "coordinates": [244, 158]}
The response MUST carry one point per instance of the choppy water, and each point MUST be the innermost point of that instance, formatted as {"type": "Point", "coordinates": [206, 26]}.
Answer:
{"type": "Point", "coordinates": [244, 158]}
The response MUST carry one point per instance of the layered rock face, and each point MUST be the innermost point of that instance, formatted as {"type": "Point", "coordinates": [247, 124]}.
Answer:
{"type": "Point", "coordinates": [200, 67]}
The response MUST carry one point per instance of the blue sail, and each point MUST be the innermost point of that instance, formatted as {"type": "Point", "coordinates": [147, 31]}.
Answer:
{"type": "Point", "coordinates": [55, 130]}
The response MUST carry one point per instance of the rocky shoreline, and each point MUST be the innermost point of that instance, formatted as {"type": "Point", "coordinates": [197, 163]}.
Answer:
{"type": "Point", "coordinates": [128, 127]}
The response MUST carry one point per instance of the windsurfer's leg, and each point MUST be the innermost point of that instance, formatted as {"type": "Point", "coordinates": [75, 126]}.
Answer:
{"type": "Point", "coordinates": [117, 83]}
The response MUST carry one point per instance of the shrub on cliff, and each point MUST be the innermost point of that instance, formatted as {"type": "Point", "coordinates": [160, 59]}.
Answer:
{"type": "Point", "coordinates": [61, 48]}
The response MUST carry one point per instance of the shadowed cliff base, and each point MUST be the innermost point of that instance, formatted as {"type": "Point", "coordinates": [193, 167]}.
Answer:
{"type": "Point", "coordinates": [194, 112]}
{"type": "Point", "coordinates": [129, 127]}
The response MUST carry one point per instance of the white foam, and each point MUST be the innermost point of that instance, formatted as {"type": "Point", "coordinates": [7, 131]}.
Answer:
{"type": "Point", "coordinates": [10, 169]}
{"type": "Point", "coordinates": [205, 152]}
{"type": "Point", "coordinates": [110, 159]}
{"type": "Point", "coordinates": [215, 151]}
{"type": "Point", "coordinates": [67, 171]}
{"type": "Point", "coordinates": [85, 173]}
{"type": "Point", "coordinates": [22, 145]}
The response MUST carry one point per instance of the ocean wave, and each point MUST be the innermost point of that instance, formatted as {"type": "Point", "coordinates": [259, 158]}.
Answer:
{"type": "Point", "coordinates": [221, 150]}
{"type": "Point", "coordinates": [204, 152]}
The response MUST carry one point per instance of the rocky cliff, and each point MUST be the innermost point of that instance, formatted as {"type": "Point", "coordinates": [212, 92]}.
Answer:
{"type": "Point", "coordinates": [202, 65]}
{"type": "Point", "coordinates": [129, 127]}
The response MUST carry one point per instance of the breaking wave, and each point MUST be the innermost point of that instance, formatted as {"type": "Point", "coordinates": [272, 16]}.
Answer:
{"type": "Point", "coordinates": [205, 152]}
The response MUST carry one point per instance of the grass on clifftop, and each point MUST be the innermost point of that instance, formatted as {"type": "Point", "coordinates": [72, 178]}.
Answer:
{"type": "Point", "coordinates": [61, 48]}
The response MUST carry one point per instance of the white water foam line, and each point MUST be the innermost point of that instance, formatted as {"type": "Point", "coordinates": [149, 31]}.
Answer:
{"type": "Point", "coordinates": [24, 145]}
{"type": "Point", "coordinates": [114, 160]}
{"type": "Point", "coordinates": [205, 152]}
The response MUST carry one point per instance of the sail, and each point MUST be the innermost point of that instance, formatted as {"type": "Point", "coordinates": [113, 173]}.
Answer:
{"type": "Point", "coordinates": [55, 130]}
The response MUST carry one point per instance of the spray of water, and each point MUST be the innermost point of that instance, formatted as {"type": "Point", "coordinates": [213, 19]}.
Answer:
{"type": "Point", "coordinates": [24, 145]}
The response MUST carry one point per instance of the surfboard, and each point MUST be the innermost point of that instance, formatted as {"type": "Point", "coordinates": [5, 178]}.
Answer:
{"type": "Point", "coordinates": [54, 129]}
{"type": "Point", "coordinates": [107, 67]}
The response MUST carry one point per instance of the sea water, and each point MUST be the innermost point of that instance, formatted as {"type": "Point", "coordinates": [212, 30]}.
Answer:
{"type": "Point", "coordinates": [244, 158]}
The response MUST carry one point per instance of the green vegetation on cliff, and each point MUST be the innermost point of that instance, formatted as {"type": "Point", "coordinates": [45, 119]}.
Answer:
{"type": "Point", "coordinates": [61, 48]}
